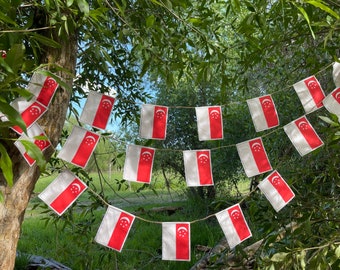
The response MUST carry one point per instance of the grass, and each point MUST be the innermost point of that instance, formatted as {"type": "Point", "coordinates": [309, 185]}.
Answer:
{"type": "Point", "coordinates": [71, 239]}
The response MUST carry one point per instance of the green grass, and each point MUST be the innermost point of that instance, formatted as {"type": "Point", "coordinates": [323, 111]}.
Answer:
{"type": "Point", "coordinates": [71, 239]}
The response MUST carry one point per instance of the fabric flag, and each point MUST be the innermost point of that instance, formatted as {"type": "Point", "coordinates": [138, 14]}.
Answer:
{"type": "Point", "coordinates": [176, 241]}
{"type": "Point", "coordinates": [209, 123]}
{"type": "Point", "coordinates": [97, 110]}
{"type": "Point", "coordinates": [138, 163]}
{"type": "Point", "coordinates": [276, 190]}
{"type": "Point", "coordinates": [153, 122]}
{"type": "Point", "coordinates": [62, 192]}
{"type": "Point", "coordinates": [43, 88]}
{"type": "Point", "coordinates": [34, 131]}
{"type": "Point", "coordinates": [197, 165]}
{"type": "Point", "coordinates": [30, 112]}
{"type": "Point", "coordinates": [234, 225]}
{"type": "Point", "coordinates": [114, 228]}
{"type": "Point", "coordinates": [303, 136]}
{"type": "Point", "coordinates": [336, 74]}
{"type": "Point", "coordinates": [253, 157]}
{"type": "Point", "coordinates": [332, 102]}
{"type": "Point", "coordinates": [79, 146]}
{"type": "Point", "coordinates": [263, 112]}
{"type": "Point", "coordinates": [310, 93]}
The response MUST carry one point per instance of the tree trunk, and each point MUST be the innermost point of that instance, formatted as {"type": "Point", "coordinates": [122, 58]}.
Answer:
{"type": "Point", "coordinates": [16, 198]}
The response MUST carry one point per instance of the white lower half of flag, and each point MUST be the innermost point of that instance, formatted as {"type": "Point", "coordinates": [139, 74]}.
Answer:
{"type": "Point", "coordinates": [253, 157]}
{"type": "Point", "coordinates": [62, 192]}
{"type": "Point", "coordinates": [234, 225]}
{"type": "Point", "coordinates": [97, 110]}
{"type": "Point", "coordinates": [263, 113]}
{"type": "Point", "coordinates": [114, 228]}
{"type": "Point", "coordinates": [310, 93]}
{"type": "Point", "coordinates": [303, 136]}
{"type": "Point", "coordinates": [153, 122]}
{"type": "Point", "coordinates": [138, 163]}
{"type": "Point", "coordinates": [209, 123]}
{"type": "Point", "coordinates": [332, 102]}
{"type": "Point", "coordinates": [176, 241]}
{"type": "Point", "coordinates": [198, 170]}
{"type": "Point", "coordinates": [79, 146]}
{"type": "Point", "coordinates": [276, 190]}
{"type": "Point", "coordinates": [336, 74]}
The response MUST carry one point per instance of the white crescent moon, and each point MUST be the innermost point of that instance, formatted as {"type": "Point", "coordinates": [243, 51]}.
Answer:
{"type": "Point", "coordinates": [125, 218]}
{"type": "Point", "coordinates": [337, 94]}
{"type": "Point", "coordinates": [147, 153]}
{"type": "Point", "coordinates": [160, 111]}
{"type": "Point", "coordinates": [312, 81]}
{"type": "Point", "coordinates": [302, 124]}
{"type": "Point", "coordinates": [215, 111]}
{"type": "Point", "coordinates": [77, 185]}
{"type": "Point", "coordinates": [276, 179]}
{"type": "Point", "coordinates": [182, 228]}
{"type": "Point", "coordinates": [234, 212]}
{"type": "Point", "coordinates": [256, 144]}
{"type": "Point", "coordinates": [266, 100]}
{"type": "Point", "coordinates": [37, 108]}
{"type": "Point", "coordinates": [203, 155]}
{"type": "Point", "coordinates": [107, 100]}
{"type": "Point", "coordinates": [90, 137]}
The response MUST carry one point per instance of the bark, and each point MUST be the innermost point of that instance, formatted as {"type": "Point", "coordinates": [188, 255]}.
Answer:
{"type": "Point", "coordinates": [16, 198]}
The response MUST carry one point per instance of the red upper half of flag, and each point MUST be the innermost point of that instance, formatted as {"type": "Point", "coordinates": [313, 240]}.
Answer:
{"type": "Point", "coordinates": [315, 90]}
{"type": "Point", "coordinates": [259, 154]}
{"type": "Point", "coordinates": [159, 122]}
{"type": "Point", "coordinates": [308, 132]}
{"type": "Point", "coordinates": [269, 111]}
{"type": "Point", "coordinates": [215, 120]}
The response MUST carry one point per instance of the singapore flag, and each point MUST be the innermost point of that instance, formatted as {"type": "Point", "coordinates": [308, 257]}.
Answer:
{"type": "Point", "coordinates": [209, 123]}
{"type": "Point", "coordinates": [97, 110]}
{"type": "Point", "coordinates": [34, 131]}
{"type": "Point", "coordinates": [79, 146]}
{"type": "Point", "coordinates": [153, 122]}
{"type": "Point", "coordinates": [114, 228]}
{"type": "Point", "coordinates": [30, 112]}
{"type": "Point", "coordinates": [43, 88]}
{"type": "Point", "coordinates": [336, 74]}
{"type": "Point", "coordinates": [138, 163]}
{"type": "Point", "coordinates": [62, 192]}
{"type": "Point", "coordinates": [310, 93]}
{"type": "Point", "coordinates": [176, 241]}
{"type": "Point", "coordinates": [303, 136]}
{"type": "Point", "coordinates": [234, 225]}
{"type": "Point", "coordinates": [263, 112]}
{"type": "Point", "coordinates": [332, 102]}
{"type": "Point", "coordinates": [197, 165]}
{"type": "Point", "coordinates": [253, 157]}
{"type": "Point", "coordinates": [276, 190]}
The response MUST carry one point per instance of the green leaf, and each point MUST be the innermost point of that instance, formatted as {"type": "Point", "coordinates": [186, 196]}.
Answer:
{"type": "Point", "coordinates": [6, 165]}
{"type": "Point", "coordinates": [84, 7]}
{"type": "Point", "coordinates": [328, 121]}
{"type": "Point", "coordinates": [150, 21]}
{"type": "Point", "coordinates": [1, 197]}
{"type": "Point", "coordinates": [337, 252]}
{"type": "Point", "coordinates": [45, 41]}
{"type": "Point", "coordinates": [319, 4]}
{"type": "Point", "coordinates": [34, 152]}
{"type": "Point", "coordinates": [13, 116]}
{"type": "Point", "coordinates": [279, 257]}
{"type": "Point", "coordinates": [305, 15]}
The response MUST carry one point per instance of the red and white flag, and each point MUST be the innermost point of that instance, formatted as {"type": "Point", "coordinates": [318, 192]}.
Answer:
{"type": "Point", "coordinates": [276, 190]}
{"type": "Point", "coordinates": [209, 123]}
{"type": "Point", "coordinates": [79, 146]}
{"type": "Point", "coordinates": [332, 102]}
{"type": "Point", "coordinates": [310, 93]}
{"type": "Point", "coordinates": [153, 121]}
{"type": "Point", "coordinates": [114, 228]}
{"type": "Point", "coordinates": [263, 112]}
{"type": "Point", "coordinates": [176, 241]}
{"type": "Point", "coordinates": [43, 143]}
{"type": "Point", "coordinates": [30, 112]}
{"type": "Point", "coordinates": [197, 165]}
{"type": "Point", "coordinates": [43, 88]}
{"type": "Point", "coordinates": [253, 157]}
{"type": "Point", "coordinates": [138, 163]}
{"type": "Point", "coordinates": [336, 74]}
{"type": "Point", "coordinates": [97, 110]}
{"type": "Point", "coordinates": [234, 225]}
{"type": "Point", "coordinates": [303, 136]}
{"type": "Point", "coordinates": [62, 192]}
